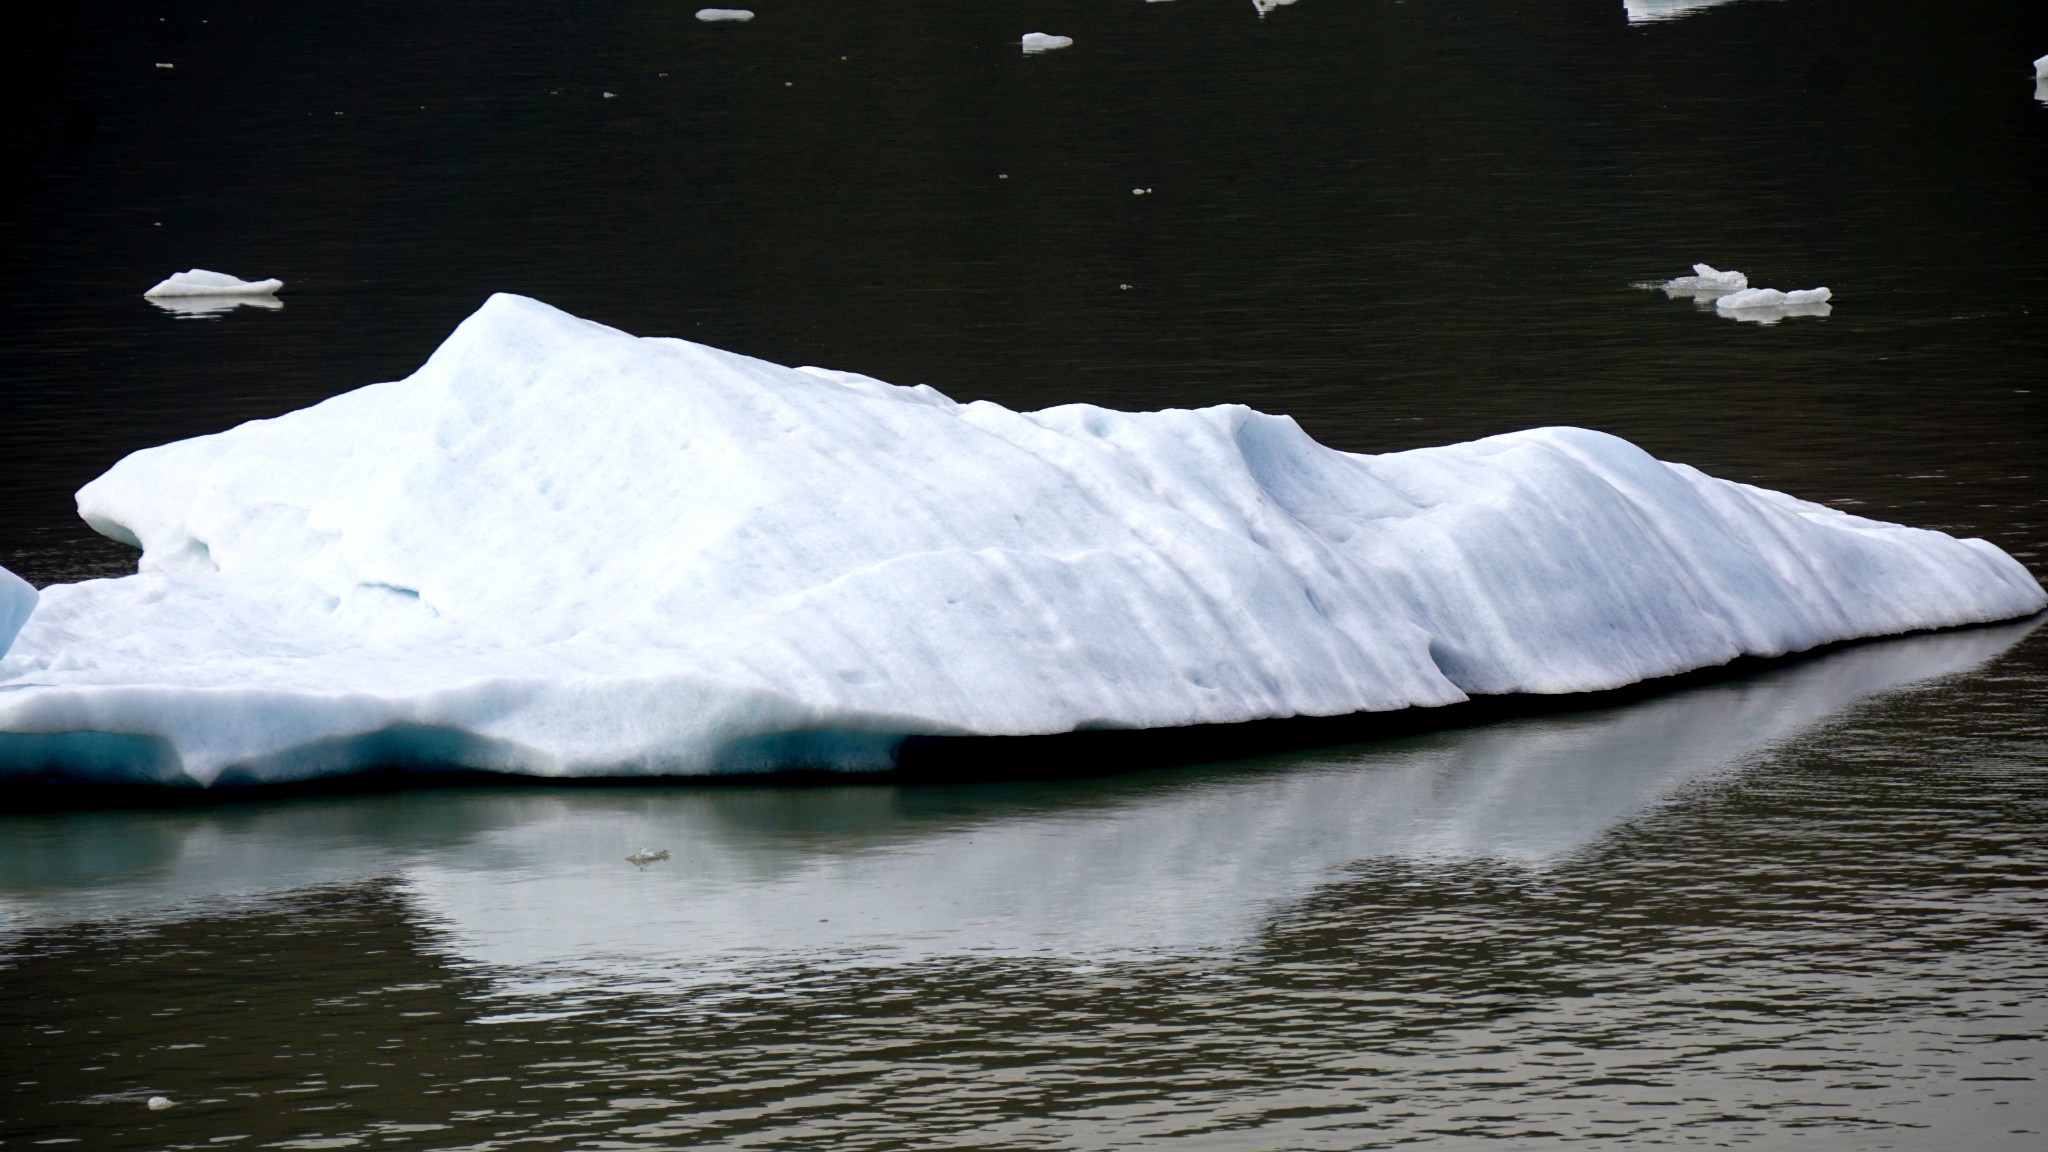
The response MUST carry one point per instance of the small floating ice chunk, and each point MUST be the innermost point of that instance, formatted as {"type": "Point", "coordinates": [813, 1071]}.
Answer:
{"type": "Point", "coordinates": [646, 856]}
{"type": "Point", "coordinates": [17, 600]}
{"type": "Point", "coordinates": [1706, 278]}
{"type": "Point", "coordinates": [710, 15]}
{"type": "Point", "coordinates": [1771, 298]}
{"type": "Point", "coordinates": [1264, 6]}
{"type": "Point", "coordinates": [1045, 42]}
{"type": "Point", "coordinates": [2041, 68]}
{"type": "Point", "coordinates": [200, 282]}
{"type": "Point", "coordinates": [159, 1103]}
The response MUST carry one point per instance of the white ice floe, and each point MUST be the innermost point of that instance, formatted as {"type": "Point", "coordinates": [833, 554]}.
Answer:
{"type": "Point", "coordinates": [1045, 42]}
{"type": "Point", "coordinates": [1706, 279]}
{"type": "Point", "coordinates": [1730, 295]}
{"type": "Point", "coordinates": [1264, 6]}
{"type": "Point", "coordinates": [1771, 298]}
{"type": "Point", "coordinates": [559, 549]}
{"type": "Point", "coordinates": [2041, 68]}
{"type": "Point", "coordinates": [713, 15]}
{"type": "Point", "coordinates": [200, 282]}
{"type": "Point", "coordinates": [1768, 305]}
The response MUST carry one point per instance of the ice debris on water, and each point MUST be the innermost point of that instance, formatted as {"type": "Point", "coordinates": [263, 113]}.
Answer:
{"type": "Point", "coordinates": [200, 282]}
{"type": "Point", "coordinates": [1706, 278]}
{"type": "Point", "coordinates": [646, 856]}
{"type": "Point", "coordinates": [713, 15]}
{"type": "Point", "coordinates": [159, 1103]}
{"type": "Point", "coordinates": [1730, 295]}
{"type": "Point", "coordinates": [1771, 298]}
{"type": "Point", "coordinates": [561, 550]}
{"type": "Point", "coordinates": [1044, 42]}
{"type": "Point", "coordinates": [1264, 6]}
{"type": "Point", "coordinates": [2041, 68]}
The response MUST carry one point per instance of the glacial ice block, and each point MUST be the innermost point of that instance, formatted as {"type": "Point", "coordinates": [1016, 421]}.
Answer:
{"type": "Point", "coordinates": [2041, 68]}
{"type": "Point", "coordinates": [563, 550]}
{"type": "Point", "coordinates": [200, 282]}
{"type": "Point", "coordinates": [17, 600]}
{"type": "Point", "coordinates": [1045, 42]}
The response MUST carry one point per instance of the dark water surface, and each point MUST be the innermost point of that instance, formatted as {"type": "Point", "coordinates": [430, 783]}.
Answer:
{"type": "Point", "coordinates": [1805, 909]}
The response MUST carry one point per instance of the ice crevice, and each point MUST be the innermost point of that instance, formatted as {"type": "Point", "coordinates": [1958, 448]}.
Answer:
{"type": "Point", "coordinates": [559, 549]}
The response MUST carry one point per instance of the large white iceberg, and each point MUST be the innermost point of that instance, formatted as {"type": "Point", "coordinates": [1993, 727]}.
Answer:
{"type": "Point", "coordinates": [200, 282]}
{"type": "Point", "coordinates": [559, 549]}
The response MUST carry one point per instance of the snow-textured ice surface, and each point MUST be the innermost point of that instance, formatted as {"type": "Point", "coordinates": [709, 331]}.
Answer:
{"type": "Point", "coordinates": [1045, 42]}
{"type": "Point", "coordinates": [713, 15]}
{"type": "Point", "coordinates": [559, 549]}
{"type": "Point", "coordinates": [200, 282]}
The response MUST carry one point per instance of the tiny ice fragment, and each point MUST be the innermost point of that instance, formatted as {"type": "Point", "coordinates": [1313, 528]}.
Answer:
{"type": "Point", "coordinates": [159, 1103]}
{"type": "Point", "coordinates": [1044, 42]}
{"type": "Point", "coordinates": [710, 14]}
{"type": "Point", "coordinates": [167, 65]}
{"type": "Point", "coordinates": [200, 282]}
{"type": "Point", "coordinates": [611, 95]}
{"type": "Point", "coordinates": [1264, 6]}
{"type": "Point", "coordinates": [647, 856]}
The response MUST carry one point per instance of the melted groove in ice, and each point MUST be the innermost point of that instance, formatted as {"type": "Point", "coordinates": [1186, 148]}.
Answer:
{"type": "Point", "coordinates": [562, 550]}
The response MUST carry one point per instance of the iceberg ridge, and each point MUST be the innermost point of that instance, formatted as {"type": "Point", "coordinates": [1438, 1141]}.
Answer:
{"type": "Point", "coordinates": [559, 549]}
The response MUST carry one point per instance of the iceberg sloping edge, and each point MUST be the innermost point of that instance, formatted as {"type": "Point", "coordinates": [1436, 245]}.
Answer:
{"type": "Point", "coordinates": [560, 549]}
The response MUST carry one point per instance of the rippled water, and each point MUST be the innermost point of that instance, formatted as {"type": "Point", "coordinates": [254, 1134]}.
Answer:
{"type": "Point", "coordinates": [1797, 909]}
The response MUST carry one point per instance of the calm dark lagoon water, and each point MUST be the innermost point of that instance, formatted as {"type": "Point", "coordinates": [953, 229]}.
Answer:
{"type": "Point", "coordinates": [1807, 908]}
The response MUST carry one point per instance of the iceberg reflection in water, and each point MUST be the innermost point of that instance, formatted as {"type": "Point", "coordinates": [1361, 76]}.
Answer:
{"type": "Point", "coordinates": [212, 307]}
{"type": "Point", "coordinates": [1198, 860]}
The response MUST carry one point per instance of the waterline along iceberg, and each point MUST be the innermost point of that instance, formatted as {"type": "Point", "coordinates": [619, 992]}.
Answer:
{"type": "Point", "coordinates": [559, 549]}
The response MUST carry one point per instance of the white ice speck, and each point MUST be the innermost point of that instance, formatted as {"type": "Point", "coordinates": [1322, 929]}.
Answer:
{"type": "Point", "coordinates": [709, 15]}
{"type": "Point", "coordinates": [159, 1103]}
{"type": "Point", "coordinates": [167, 65]}
{"type": "Point", "coordinates": [1044, 42]}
